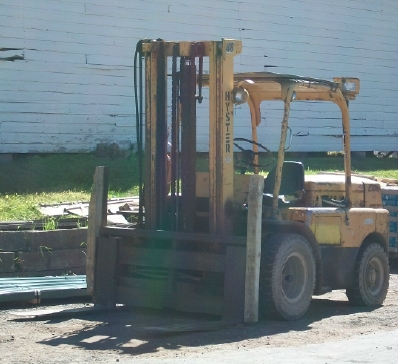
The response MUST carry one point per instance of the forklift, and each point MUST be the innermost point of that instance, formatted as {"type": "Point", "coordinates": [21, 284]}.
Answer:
{"type": "Point", "coordinates": [191, 246]}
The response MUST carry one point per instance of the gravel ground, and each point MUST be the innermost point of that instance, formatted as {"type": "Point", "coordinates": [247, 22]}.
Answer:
{"type": "Point", "coordinates": [126, 335]}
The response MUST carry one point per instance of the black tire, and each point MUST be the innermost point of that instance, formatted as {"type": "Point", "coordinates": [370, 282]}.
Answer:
{"type": "Point", "coordinates": [371, 277]}
{"type": "Point", "coordinates": [287, 277]}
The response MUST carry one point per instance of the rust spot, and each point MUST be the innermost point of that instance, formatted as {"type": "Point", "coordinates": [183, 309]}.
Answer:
{"type": "Point", "coordinates": [375, 187]}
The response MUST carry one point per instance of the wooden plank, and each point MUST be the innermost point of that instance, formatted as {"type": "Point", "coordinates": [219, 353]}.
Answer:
{"type": "Point", "coordinates": [59, 6]}
{"type": "Point", "coordinates": [97, 219]}
{"type": "Point", "coordinates": [59, 108]}
{"type": "Point", "coordinates": [56, 239]}
{"type": "Point", "coordinates": [39, 119]}
{"type": "Point", "coordinates": [7, 260]}
{"type": "Point", "coordinates": [11, 55]}
{"type": "Point", "coordinates": [166, 258]}
{"type": "Point", "coordinates": [13, 241]}
{"type": "Point", "coordinates": [66, 98]}
{"type": "Point", "coordinates": [47, 260]}
{"type": "Point", "coordinates": [253, 251]}
{"type": "Point", "coordinates": [71, 75]}
{"type": "Point", "coordinates": [35, 240]}
{"type": "Point", "coordinates": [42, 138]}
{"type": "Point", "coordinates": [234, 284]}
{"type": "Point", "coordinates": [105, 269]}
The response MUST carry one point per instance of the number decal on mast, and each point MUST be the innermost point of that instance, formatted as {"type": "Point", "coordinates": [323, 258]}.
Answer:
{"type": "Point", "coordinates": [229, 47]}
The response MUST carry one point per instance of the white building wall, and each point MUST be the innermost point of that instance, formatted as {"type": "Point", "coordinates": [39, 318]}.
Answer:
{"type": "Point", "coordinates": [66, 75]}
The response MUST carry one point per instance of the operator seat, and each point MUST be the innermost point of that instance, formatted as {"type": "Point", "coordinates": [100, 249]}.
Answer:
{"type": "Point", "coordinates": [292, 184]}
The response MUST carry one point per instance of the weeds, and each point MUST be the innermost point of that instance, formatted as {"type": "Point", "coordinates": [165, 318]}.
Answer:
{"type": "Point", "coordinates": [82, 223]}
{"type": "Point", "coordinates": [44, 249]}
{"type": "Point", "coordinates": [50, 224]}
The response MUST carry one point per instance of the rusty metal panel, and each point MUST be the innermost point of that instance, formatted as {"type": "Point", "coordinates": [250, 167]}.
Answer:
{"type": "Point", "coordinates": [372, 195]}
{"type": "Point", "coordinates": [361, 222]}
{"type": "Point", "coordinates": [364, 192]}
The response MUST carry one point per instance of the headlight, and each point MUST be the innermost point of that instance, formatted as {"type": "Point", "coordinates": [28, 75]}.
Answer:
{"type": "Point", "coordinates": [240, 95]}
{"type": "Point", "coordinates": [349, 86]}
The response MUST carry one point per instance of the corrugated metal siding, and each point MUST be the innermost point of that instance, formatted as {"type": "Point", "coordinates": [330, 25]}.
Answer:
{"type": "Point", "coordinates": [66, 78]}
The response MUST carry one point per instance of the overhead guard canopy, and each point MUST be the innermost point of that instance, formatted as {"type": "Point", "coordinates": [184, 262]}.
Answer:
{"type": "Point", "coordinates": [262, 86]}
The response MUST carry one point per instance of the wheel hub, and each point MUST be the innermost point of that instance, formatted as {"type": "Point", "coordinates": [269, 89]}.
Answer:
{"type": "Point", "coordinates": [293, 277]}
{"type": "Point", "coordinates": [372, 276]}
{"type": "Point", "coordinates": [375, 276]}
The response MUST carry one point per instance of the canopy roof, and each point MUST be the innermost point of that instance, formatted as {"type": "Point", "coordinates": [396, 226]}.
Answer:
{"type": "Point", "coordinates": [268, 86]}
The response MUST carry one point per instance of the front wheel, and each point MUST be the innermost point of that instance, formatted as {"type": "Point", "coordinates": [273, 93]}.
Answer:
{"type": "Point", "coordinates": [287, 277]}
{"type": "Point", "coordinates": [371, 277]}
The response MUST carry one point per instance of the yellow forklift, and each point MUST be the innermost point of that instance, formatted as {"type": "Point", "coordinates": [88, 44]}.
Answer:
{"type": "Point", "coordinates": [191, 248]}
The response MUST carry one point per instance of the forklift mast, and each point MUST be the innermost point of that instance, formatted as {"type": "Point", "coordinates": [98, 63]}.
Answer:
{"type": "Point", "coordinates": [165, 168]}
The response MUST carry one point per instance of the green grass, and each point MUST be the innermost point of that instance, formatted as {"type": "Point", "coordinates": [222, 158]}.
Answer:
{"type": "Point", "coordinates": [32, 180]}
{"type": "Point", "coordinates": [378, 167]}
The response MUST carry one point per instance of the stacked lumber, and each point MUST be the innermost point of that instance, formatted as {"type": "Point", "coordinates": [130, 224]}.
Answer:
{"type": "Point", "coordinates": [32, 253]}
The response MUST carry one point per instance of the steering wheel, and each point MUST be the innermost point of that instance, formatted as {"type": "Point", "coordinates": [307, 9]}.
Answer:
{"type": "Point", "coordinates": [248, 155]}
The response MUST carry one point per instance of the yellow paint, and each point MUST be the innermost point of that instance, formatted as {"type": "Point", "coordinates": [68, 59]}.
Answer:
{"type": "Point", "coordinates": [327, 229]}
{"type": "Point", "coordinates": [221, 124]}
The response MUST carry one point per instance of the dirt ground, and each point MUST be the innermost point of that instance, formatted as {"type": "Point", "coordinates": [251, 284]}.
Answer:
{"type": "Point", "coordinates": [126, 334]}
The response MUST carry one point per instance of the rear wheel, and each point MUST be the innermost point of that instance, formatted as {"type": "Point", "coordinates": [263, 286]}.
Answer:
{"type": "Point", "coordinates": [287, 277]}
{"type": "Point", "coordinates": [371, 277]}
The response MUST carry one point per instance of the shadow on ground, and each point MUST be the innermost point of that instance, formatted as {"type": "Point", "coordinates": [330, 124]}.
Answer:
{"type": "Point", "coordinates": [131, 330]}
{"type": "Point", "coordinates": [126, 330]}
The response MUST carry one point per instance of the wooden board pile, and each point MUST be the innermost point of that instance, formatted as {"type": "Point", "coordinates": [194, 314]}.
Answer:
{"type": "Point", "coordinates": [34, 253]}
